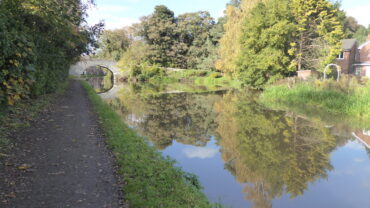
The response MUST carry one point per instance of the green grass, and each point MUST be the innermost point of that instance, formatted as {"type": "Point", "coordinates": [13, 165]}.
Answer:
{"type": "Point", "coordinates": [150, 180]}
{"type": "Point", "coordinates": [321, 97]}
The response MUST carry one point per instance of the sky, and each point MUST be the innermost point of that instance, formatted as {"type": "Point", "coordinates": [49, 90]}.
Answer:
{"type": "Point", "coordinates": [120, 13]}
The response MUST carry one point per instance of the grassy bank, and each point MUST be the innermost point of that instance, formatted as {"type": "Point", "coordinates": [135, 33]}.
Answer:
{"type": "Point", "coordinates": [151, 180]}
{"type": "Point", "coordinates": [347, 98]}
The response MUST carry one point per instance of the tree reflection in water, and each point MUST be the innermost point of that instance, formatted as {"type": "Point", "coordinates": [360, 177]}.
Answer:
{"type": "Point", "coordinates": [187, 118]}
{"type": "Point", "coordinates": [272, 152]}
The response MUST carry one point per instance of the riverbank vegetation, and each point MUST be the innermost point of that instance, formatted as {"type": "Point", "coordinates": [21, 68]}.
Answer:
{"type": "Point", "coordinates": [347, 97]}
{"type": "Point", "coordinates": [151, 180]}
{"type": "Point", "coordinates": [39, 40]}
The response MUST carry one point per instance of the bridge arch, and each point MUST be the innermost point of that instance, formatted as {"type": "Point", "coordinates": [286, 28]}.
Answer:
{"type": "Point", "coordinates": [80, 67]}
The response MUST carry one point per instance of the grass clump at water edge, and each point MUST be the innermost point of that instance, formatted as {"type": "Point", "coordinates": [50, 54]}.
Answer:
{"type": "Point", "coordinates": [150, 180]}
{"type": "Point", "coordinates": [331, 97]}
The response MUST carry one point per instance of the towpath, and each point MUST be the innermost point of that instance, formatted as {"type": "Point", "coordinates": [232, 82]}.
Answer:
{"type": "Point", "coordinates": [61, 160]}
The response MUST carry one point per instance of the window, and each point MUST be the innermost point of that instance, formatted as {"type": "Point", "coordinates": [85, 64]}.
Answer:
{"type": "Point", "coordinates": [358, 71]}
{"type": "Point", "coordinates": [341, 55]}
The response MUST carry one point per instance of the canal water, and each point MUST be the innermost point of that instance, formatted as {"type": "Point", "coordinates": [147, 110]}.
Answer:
{"type": "Point", "coordinates": [247, 155]}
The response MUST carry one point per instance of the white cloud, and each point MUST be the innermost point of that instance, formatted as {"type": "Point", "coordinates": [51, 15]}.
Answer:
{"type": "Point", "coordinates": [200, 152]}
{"type": "Point", "coordinates": [112, 16]}
{"type": "Point", "coordinates": [358, 160]}
{"type": "Point", "coordinates": [361, 13]}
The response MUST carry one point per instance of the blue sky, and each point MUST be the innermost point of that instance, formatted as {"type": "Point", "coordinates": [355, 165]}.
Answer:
{"type": "Point", "coordinates": [120, 13]}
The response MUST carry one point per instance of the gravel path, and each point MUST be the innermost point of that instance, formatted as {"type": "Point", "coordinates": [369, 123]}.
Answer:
{"type": "Point", "coordinates": [61, 160]}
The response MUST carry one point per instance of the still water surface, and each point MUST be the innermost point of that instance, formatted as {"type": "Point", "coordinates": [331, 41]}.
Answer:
{"type": "Point", "coordinates": [246, 155]}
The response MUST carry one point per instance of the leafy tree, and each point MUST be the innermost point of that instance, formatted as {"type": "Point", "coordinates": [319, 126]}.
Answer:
{"type": "Point", "coordinates": [362, 34]}
{"type": "Point", "coordinates": [135, 54]}
{"type": "Point", "coordinates": [319, 33]}
{"type": "Point", "coordinates": [113, 43]}
{"type": "Point", "coordinates": [350, 27]}
{"type": "Point", "coordinates": [230, 46]}
{"type": "Point", "coordinates": [194, 30]}
{"type": "Point", "coordinates": [160, 33]}
{"type": "Point", "coordinates": [234, 3]}
{"type": "Point", "coordinates": [39, 41]}
{"type": "Point", "coordinates": [267, 34]}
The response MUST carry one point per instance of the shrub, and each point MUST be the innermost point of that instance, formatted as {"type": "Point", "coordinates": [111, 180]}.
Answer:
{"type": "Point", "coordinates": [37, 45]}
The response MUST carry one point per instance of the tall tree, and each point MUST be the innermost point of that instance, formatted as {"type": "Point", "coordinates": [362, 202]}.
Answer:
{"type": "Point", "coordinates": [113, 43]}
{"type": "Point", "coordinates": [319, 33]}
{"type": "Point", "coordinates": [230, 46]}
{"type": "Point", "coordinates": [194, 30]}
{"type": "Point", "coordinates": [267, 34]}
{"type": "Point", "coordinates": [362, 34]}
{"type": "Point", "coordinates": [160, 32]}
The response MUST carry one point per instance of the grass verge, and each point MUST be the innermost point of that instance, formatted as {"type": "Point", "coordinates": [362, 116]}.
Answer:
{"type": "Point", "coordinates": [151, 180]}
{"type": "Point", "coordinates": [327, 97]}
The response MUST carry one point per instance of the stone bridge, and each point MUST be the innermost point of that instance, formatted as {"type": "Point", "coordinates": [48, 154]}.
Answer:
{"type": "Point", "coordinates": [80, 67]}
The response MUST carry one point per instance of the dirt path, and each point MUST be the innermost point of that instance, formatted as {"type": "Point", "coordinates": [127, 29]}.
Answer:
{"type": "Point", "coordinates": [61, 161]}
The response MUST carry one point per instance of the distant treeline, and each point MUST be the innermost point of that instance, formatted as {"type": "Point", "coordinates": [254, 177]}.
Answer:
{"type": "Point", "coordinates": [257, 41]}
{"type": "Point", "coordinates": [39, 39]}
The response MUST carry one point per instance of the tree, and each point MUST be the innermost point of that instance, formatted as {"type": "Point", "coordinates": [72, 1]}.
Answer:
{"type": "Point", "coordinates": [230, 46]}
{"type": "Point", "coordinates": [362, 34]}
{"type": "Point", "coordinates": [137, 53]}
{"type": "Point", "coordinates": [319, 33]}
{"type": "Point", "coordinates": [39, 40]}
{"type": "Point", "coordinates": [194, 30]}
{"type": "Point", "coordinates": [160, 33]}
{"type": "Point", "coordinates": [212, 44]}
{"type": "Point", "coordinates": [266, 37]}
{"type": "Point", "coordinates": [113, 43]}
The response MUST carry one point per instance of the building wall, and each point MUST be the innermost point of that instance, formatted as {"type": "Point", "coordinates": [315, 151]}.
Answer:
{"type": "Point", "coordinates": [345, 62]}
{"type": "Point", "coordinates": [362, 70]}
{"type": "Point", "coordinates": [365, 53]}
{"type": "Point", "coordinates": [349, 58]}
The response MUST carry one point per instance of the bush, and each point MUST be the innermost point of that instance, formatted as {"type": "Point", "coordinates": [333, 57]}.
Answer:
{"type": "Point", "coordinates": [37, 47]}
{"type": "Point", "coordinates": [145, 72]}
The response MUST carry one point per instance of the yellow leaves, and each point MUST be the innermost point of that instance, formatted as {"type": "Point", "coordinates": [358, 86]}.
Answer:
{"type": "Point", "coordinates": [15, 89]}
{"type": "Point", "coordinates": [10, 101]}
{"type": "Point", "coordinates": [24, 167]}
{"type": "Point", "coordinates": [14, 62]}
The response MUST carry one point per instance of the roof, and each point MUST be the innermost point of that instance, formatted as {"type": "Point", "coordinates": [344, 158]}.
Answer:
{"type": "Point", "coordinates": [348, 44]}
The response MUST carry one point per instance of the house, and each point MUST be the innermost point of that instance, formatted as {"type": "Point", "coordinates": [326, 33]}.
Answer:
{"type": "Point", "coordinates": [347, 58]}
{"type": "Point", "coordinates": [355, 60]}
